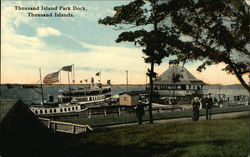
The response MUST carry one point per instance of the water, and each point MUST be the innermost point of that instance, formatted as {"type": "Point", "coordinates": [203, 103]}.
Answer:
{"type": "Point", "coordinates": [29, 95]}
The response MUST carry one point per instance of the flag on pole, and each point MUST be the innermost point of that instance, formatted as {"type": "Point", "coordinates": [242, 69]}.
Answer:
{"type": "Point", "coordinates": [98, 74]}
{"type": "Point", "coordinates": [51, 78]}
{"type": "Point", "coordinates": [109, 82]}
{"type": "Point", "coordinates": [67, 68]}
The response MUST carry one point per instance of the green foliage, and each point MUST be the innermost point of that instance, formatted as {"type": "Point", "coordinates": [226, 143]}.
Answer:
{"type": "Point", "coordinates": [219, 33]}
{"type": "Point", "coordinates": [138, 16]}
{"type": "Point", "coordinates": [131, 14]}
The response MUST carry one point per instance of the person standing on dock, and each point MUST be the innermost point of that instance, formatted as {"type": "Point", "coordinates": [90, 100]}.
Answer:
{"type": "Point", "coordinates": [139, 112]}
{"type": "Point", "coordinates": [208, 106]}
{"type": "Point", "coordinates": [196, 106]}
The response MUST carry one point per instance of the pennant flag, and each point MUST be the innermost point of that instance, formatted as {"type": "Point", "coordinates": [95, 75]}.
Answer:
{"type": "Point", "coordinates": [98, 74]}
{"type": "Point", "coordinates": [67, 68]}
{"type": "Point", "coordinates": [109, 82]}
{"type": "Point", "coordinates": [51, 78]}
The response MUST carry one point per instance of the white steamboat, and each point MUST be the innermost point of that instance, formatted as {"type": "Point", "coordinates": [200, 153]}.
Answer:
{"type": "Point", "coordinates": [74, 100]}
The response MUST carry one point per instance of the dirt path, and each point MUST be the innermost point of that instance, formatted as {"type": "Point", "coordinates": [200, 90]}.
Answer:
{"type": "Point", "coordinates": [215, 116]}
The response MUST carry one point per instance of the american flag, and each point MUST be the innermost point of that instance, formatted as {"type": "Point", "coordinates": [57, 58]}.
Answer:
{"type": "Point", "coordinates": [51, 78]}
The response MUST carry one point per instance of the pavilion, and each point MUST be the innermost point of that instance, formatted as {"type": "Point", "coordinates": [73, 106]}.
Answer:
{"type": "Point", "coordinates": [177, 85]}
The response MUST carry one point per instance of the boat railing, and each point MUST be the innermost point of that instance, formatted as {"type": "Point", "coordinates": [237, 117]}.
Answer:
{"type": "Point", "coordinates": [65, 127]}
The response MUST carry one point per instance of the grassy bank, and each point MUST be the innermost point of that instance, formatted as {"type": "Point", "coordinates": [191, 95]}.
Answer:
{"type": "Point", "coordinates": [131, 118]}
{"type": "Point", "coordinates": [220, 138]}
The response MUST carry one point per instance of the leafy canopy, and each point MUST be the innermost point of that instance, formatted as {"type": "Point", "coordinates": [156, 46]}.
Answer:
{"type": "Point", "coordinates": [215, 31]}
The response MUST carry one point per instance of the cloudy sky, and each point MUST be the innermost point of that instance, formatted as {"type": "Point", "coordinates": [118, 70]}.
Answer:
{"type": "Point", "coordinates": [30, 43]}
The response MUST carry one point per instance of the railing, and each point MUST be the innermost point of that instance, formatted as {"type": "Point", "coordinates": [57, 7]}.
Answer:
{"type": "Point", "coordinates": [104, 111]}
{"type": "Point", "coordinates": [57, 126]}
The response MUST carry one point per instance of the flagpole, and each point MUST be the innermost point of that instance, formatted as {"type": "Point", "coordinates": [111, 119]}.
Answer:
{"type": "Point", "coordinates": [69, 81]}
{"type": "Point", "coordinates": [127, 79]}
{"type": "Point", "coordinates": [74, 72]}
{"type": "Point", "coordinates": [100, 76]}
{"type": "Point", "coordinates": [41, 85]}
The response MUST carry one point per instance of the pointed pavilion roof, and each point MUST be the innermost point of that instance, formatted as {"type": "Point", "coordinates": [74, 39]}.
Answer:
{"type": "Point", "coordinates": [181, 73]}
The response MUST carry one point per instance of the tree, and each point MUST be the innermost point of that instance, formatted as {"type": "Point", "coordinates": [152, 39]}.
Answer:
{"type": "Point", "coordinates": [216, 31]}
{"type": "Point", "coordinates": [142, 19]}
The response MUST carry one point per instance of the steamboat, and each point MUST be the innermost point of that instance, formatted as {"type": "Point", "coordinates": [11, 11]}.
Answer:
{"type": "Point", "coordinates": [74, 100]}
{"type": "Point", "coordinates": [71, 100]}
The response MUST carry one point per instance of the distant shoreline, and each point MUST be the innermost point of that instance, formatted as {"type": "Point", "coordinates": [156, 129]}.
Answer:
{"type": "Point", "coordinates": [107, 84]}
{"type": "Point", "coordinates": [17, 85]}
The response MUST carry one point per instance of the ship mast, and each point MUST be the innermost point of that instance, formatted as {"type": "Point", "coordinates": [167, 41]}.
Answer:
{"type": "Point", "coordinates": [69, 81]}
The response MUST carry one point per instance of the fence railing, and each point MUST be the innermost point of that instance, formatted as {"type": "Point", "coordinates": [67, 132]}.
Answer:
{"type": "Point", "coordinates": [65, 127]}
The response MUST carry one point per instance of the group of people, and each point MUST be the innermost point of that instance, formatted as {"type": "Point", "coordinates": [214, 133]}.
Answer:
{"type": "Point", "coordinates": [207, 102]}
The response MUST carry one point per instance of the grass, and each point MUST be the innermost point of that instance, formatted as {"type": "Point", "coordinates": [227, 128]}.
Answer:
{"type": "Point", "coordinates": [219, 138]}
{"type": "Point", "coordinates": [131, 118]}
{"type": "Point", "coordinates": [215, 138]}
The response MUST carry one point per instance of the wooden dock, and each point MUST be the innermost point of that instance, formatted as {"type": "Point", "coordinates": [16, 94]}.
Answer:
{"type": "Point", "coordinates": [65, 127]}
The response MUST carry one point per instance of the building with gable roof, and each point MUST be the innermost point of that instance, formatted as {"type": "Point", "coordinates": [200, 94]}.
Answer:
{"type": "Point", "coordinates": [21, 132]}
{"type": "Point", "coordinates": [178, 85]}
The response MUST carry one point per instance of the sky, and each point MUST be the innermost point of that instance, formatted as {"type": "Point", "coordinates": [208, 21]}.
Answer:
{"type": "Point", "coordinates": [49, 43]}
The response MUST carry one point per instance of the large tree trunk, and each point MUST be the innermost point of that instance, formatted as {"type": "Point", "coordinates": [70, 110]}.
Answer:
{"type": "Point", "coordinates": [151, 93]}
{"type": "Point", "coordinates": [239, 77]}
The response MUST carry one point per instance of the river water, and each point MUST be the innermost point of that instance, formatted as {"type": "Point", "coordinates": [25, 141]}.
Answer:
{"type": "Point", "coordinates": [29, 95]}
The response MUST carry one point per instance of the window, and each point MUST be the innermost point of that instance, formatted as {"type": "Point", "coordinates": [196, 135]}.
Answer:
{"type": "Point", "coordinates": [50, 110]}
{"type": "Point", "coordinates": [125, 98]}
{"type": "Point", "coordinates": [55, 110]}
{"type": "Point", "coordinates": [45, 111]}
{"type": "Point", "coordinates": [41, 111]}
{"type": "Point", "coordinates": [73, 108]}
{"type": "Point", "coordinates": [69, 109]}
{"type": "Point", "coordinates": [65, 109]}
{"type": "Point", "coordinates": [36, 111]}
{"type": "Point", "coordinates": [61, 110]}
